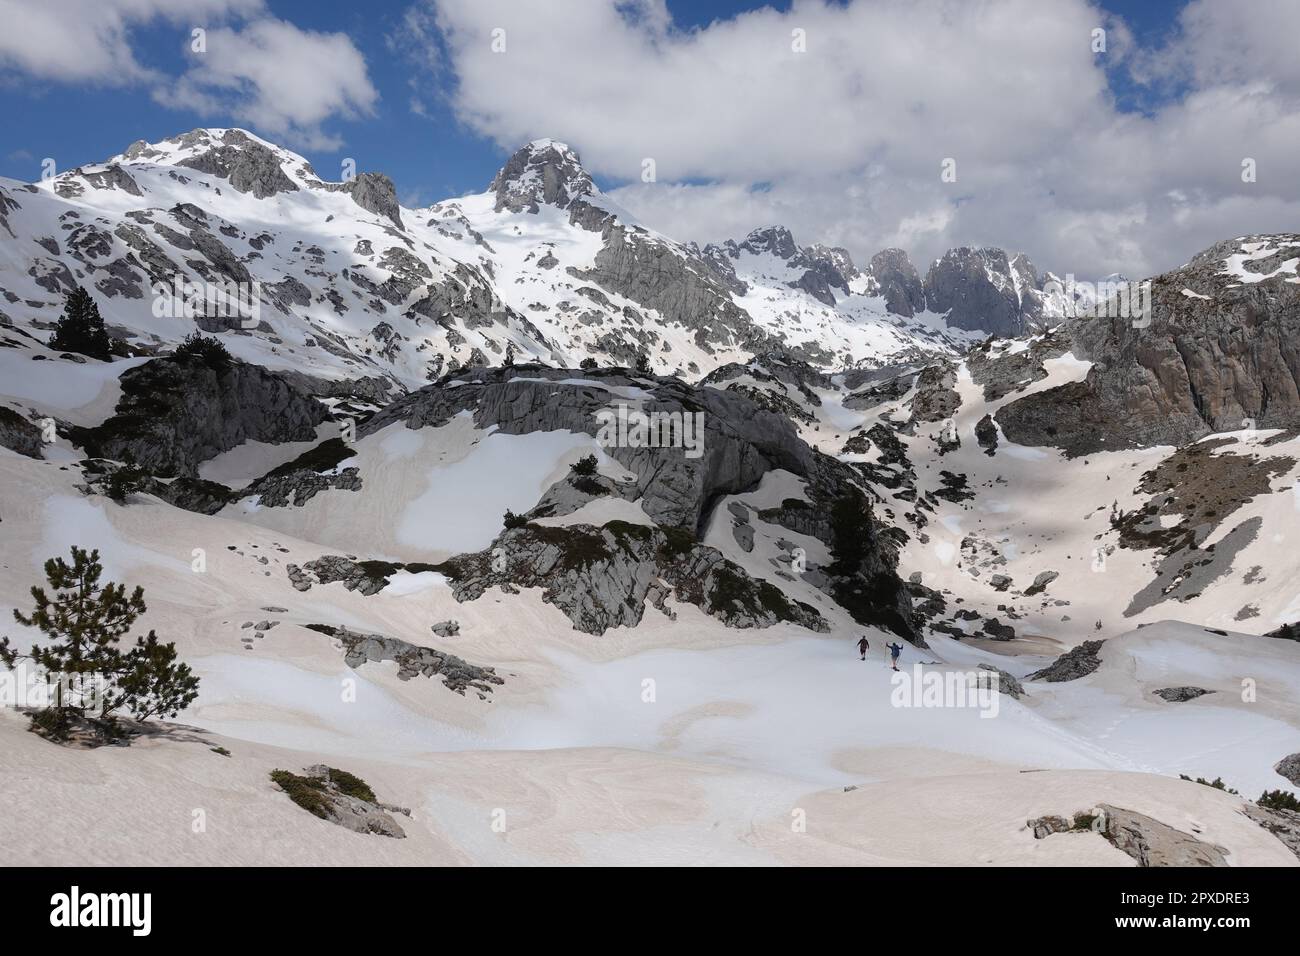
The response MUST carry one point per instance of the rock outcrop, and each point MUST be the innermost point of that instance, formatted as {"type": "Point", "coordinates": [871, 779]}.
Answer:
{"type": "Point", "coordinates": [739, 443]}
{"type": "Point", "coordinates": [412, 660]}
{"type": "Point", "coordinates": [178, 412]}
{"type": "Point", "coordinates": [898, 281]}
{"type": "Point", "coordinates": [341, 798]}
{"type": "Point", "coordinates": [1216, 353]}
{"type": "Point", "coordinates": [1073, 664]}
{"type": "Point", "coordinates": [249, 166]}
{"type": "Point", "coordinates": [20, 435]}
{"type": "Point", "coordinates": [604, 577]}
{"type": "Point", "coordinates": [1178, 695]}
{"type": "Point", "coordinates": [978, 289]}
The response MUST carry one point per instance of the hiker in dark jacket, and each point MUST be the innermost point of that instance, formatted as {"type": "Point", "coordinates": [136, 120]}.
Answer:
{"type": "Point", "coordinates": [864, 645]}
{"type": "Point", "coordinates": [894, 651]}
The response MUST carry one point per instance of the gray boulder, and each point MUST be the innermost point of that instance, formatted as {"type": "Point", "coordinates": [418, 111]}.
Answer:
{"type": "Point", "coordinates": [1073, 664]}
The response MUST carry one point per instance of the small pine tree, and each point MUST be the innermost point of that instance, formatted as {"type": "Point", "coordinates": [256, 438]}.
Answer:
{"type": "Point", "coordinates": [81, 328]}
{"type": "Point", "coordinates": [1279, 800]}
{"type": "Point", "coordinates": [513, 520]}
{"type": "Point", "coordinates": [588, 363]}
{"type": "Point", "coordinates": [85, 620]}
{"type": "Point", "coordinates": [208, 349]}
{"type": "Point", "coordinates": [585, 467]}
{"type": "Point", "coordinates": [123, 483]}
{"type": "Point", "coordinates": [510, 355]}
{"type": "Point", "coordinates": [643, 363]}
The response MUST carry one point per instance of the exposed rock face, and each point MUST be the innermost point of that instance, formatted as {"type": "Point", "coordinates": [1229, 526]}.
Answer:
{"type": "Point", "coordinates": [1152, 843]}
{"type": "Point", "coordinates": [741, 442]}
{"type": "Point", "coordinates": [1144, 838]}
{"type": "Point", "coordinates": [249, 166]}
{"type": "Point", "coordinates": [1041, 581]}
{"type": "Point", "coordinates": [898, 281]}
{"type": "Point", "coordinates": [936, 395]}
{"type": "Point", "coordinates": [376, 193]}
{"type": "Point", "coordinates": [1289, 767]}
{"type": "Point", "coordinates": [297, 482]}
{"type": "Point", "coordinates": [298, 487]}
{"type": "Point", "coordinates": [685, 291]}
{"type": "Point", "coordinates": [1002, 371]}
{"type": "Point", "coordinates": [1045, 826]}
{"type": "Point", "coordinates": [976, 289]}
{"type": "Point", "coordinates": [1007, 683]}
{"type": "Point", "coordinates": [1283, 824]}
{"type": "Point", "coordinates": [373, 192]}
{"type": "Point", "coordinates": [367, 577]}
{"type": "Point", "coordinates": [1177, 695]}
{"type": "Point", "coordinates": [1218, 359]}
{"type": "Point", "coordinates": [604, 577]}
{"type": "Point", "coordinates": [192, 494]}
{"type": "Point", "coordinates": [1073, 664]}
{"type": "Point", "coordinates": [412, 660]}
{"type": "Point", "coordinates": [544, 171]}
{"type": "Point", "coordinates": [177, 412]}
{"type": "Point", "coordinates": [774, 240]}
{"type": "Point", "coordinates": [986, 434]}
{"type": "Point", "coordinates": [826, 268]}
{"type": "Point", "coordinates": [20, 435]}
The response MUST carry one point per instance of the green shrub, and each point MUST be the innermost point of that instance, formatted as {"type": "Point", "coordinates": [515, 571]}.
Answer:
{"type": "Point", "coordinates": [512, 520]}
{"type": "Point", "coordinates": [351, 784]}
{"type": "Point", "coordinates": [208, 350]}
{"type": "Point", "coordinates": [1279, 800]}
{"type": "Point", "coordinates": [307, 792]}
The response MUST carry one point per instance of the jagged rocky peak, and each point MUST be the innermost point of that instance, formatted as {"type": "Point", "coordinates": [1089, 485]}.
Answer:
{"type": "Point", "coordinates": [249, 164]}
{"type": "Point", "coordinates": [774, 239]}
{"type": "Point", "coordinates": [544, 171]}
{"type": "Point", "coordinates": [981, 289]}
{"type": "Point", "coordinates": [898, 282]}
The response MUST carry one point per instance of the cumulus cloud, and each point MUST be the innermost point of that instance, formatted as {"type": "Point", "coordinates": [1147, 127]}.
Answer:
{"type": "Point", "coordinates": [88, 40]}
{"type": "Point", "coordinates": [845, 113]}
{"type": "Point", "coordinates": [284, 80]}
{"type": "Point", "coordinates": [259, 70]}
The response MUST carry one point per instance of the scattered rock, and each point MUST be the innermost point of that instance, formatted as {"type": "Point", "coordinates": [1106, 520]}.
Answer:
{"type": "Point", "coordinates": [1177, 695]}
{"type": "Point", "coordinates": [1007, 683]}
{"type": "Point", "coordinates": [1041, 581]}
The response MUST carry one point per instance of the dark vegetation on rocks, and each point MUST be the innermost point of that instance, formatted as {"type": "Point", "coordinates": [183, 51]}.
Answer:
{"type": "Point", "coordinates": [341, 798]}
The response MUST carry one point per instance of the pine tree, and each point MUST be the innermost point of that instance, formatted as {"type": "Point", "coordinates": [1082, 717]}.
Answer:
{"type": "Point", "coordinates": [153, 682]}
{"type": "Point", "coordinates": [85, 621]}
{"type": "Point", "coordinates": [81, 328]}
{"type": "Point", "coordinates": [643, 363]}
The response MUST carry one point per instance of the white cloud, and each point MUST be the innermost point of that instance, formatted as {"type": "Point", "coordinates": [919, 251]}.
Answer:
{"type": "Point", "coordinates": [283, 80]}
{"type": "Point", "coordinates": [850, 134]}
{"type": "Point", "coordinates": [264, 72]}
{"type": "Point", "coordinates": [88, 40]}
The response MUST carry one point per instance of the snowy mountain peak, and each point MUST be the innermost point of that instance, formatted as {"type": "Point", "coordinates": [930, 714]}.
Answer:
{"type": "Point", "coordinates": [544, 171]}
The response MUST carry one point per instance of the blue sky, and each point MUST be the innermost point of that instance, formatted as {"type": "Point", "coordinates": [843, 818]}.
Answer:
{"type": "Point", "coordinates": [1128, 161]}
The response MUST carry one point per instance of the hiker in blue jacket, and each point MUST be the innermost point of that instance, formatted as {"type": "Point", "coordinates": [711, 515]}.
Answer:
{"type": "Point", "coordinates": [894, 651]}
